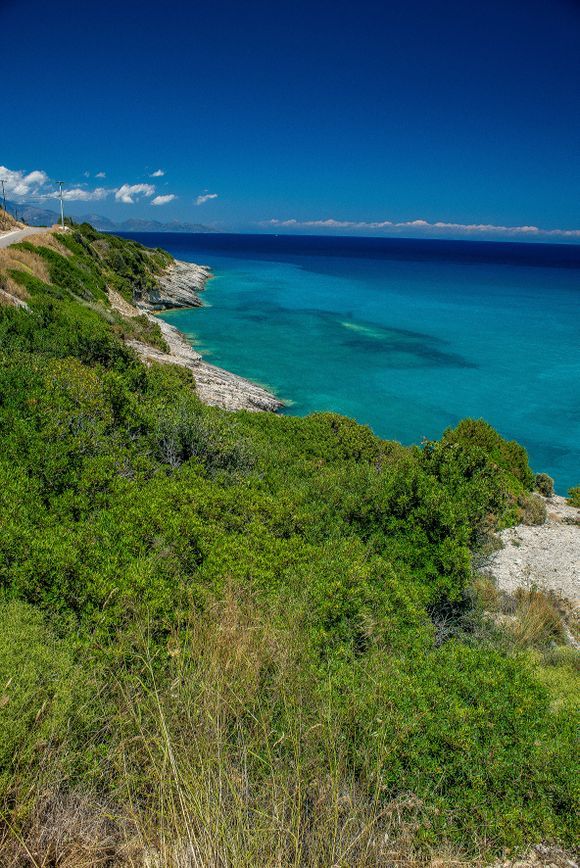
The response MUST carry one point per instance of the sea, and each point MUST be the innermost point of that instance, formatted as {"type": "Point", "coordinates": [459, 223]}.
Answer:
{"type": "Point", "coordinates": [407, 336]}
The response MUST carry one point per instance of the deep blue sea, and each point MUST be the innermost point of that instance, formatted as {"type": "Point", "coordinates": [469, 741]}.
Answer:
{"type": "Point", "coordinates": [407, 336]}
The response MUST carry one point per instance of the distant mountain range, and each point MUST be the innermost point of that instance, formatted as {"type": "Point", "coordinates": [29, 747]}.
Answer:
{"type": "Point", "coordinates": [35, 216]}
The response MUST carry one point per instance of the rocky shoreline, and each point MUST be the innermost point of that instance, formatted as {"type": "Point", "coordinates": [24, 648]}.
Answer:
{"type": "Point", "coordinates": [179, 287]}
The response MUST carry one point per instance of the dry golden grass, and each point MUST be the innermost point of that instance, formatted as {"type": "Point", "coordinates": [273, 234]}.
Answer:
{"type": "Point", "coordinates": [8, 222]}
{"type": "Point", "coordinates": [224, 786]}
{"type": "Point", "coordinates": [23, 260]}
{"type": "Point", "coordinates": [532, 509]}
{"type": "Point", "coordinates": [12, 258]}
{"type": "Point", "coordinates": [487, 593]}
{"type": "Point", "coordinates": [230, 788]}
{"type": "Point", "coordinates": [11, 293]}
{"type": "Point", "coordinates": [49, 239]}
{"type": "Point", "coordinates": [69, 831]}
{"type": "Point", "coordinates": [537, 619]}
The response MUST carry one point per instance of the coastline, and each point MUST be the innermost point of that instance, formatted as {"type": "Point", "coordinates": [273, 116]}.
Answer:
{"type": "Point", "coordinates": [179, 288]}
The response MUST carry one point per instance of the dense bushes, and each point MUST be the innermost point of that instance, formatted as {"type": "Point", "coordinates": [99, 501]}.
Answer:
{"type": "Point", "coordinates": [126, 266]}
{"type": "Point", "coordinates": [257, 594]}
{"type": "Point", "coordinates": [544, 484]}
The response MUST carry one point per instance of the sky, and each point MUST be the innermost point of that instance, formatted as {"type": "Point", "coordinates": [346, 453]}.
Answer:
{"type": "Point", "coordinates": [417, 117]}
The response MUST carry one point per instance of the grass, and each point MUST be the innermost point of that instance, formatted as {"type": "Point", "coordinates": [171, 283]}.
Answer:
{"type": "Point", "coordinates": [530, 618]}
{"type": "Point", "coordinates": [242, 791]}
{"type": "Point", "coordinates": [42, 257]}
{"type": "Point", "coordinates": [537, 619]}
{"type": "Point", "coordinates": [50, 240]}
{"type": "Point", "coordinates": [7, 221]}
{"type": "Point", "coordinates": [17, 258]}
{"type": "Point", "coordinates": [532, 509]}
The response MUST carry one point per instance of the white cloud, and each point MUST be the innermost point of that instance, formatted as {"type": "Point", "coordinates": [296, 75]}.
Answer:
{"type": "Point", "coordinates": [36, 185]}
{"type": "Point", "coordinates": [78, 194]}
{"type": "Point", "coordinates": [438, 228]}
{"type": "Point", "coordinates": [205, 197]}
{"type": "Point", "coordinates": [87, 174]}
{"type": "Point", "coordinates": [20, 183]}
{"type": "Point", "coordinates": [157, 174]}
{"type": "Point", "coordinates": [128, 192]}
{"type": "Point", "coordinates": [163, 200]}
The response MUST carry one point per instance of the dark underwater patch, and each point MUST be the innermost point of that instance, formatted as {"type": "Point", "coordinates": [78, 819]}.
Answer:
{"type": "Point", "coordinates": [418, 355]}
{"type": "Point", "coordinates": [400, 348]}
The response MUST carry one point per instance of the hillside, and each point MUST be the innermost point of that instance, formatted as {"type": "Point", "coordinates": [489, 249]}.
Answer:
{"type": "Point", "coordinates": [248, 639]}
{"type": "Point", "coordinates": [7, 222]}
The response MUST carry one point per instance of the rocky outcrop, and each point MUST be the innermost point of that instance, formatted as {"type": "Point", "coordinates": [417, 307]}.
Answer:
{"type": "Point", "coordinates": [12, 300]}
{"type": "Point", "coordinates": [221, 388]}
{"type": "Point", "coordinates": [178, 286]}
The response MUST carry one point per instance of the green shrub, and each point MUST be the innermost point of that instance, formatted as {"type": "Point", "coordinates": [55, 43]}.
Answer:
{"type": "Point", "coordinates": [140, 328]}
{"type": "Point", "coordinates": [36, 679]}
{"type": "Point", "coordinates": [505, 454]}
{"type": "Point", "coordinates": [468, 732]}
{"type": "Point", "coordinates": [574, 496]}
{"type": "Point", "coordinates": [184, 431]}
{"type": "Point", "coordinates": [484, 474]}
{"type": "Point", "coordinates": [544, 484]}
{"type": "Point", "coordinates": [77, 276]}
{"type": "Point", "coordinates": [532, 509]}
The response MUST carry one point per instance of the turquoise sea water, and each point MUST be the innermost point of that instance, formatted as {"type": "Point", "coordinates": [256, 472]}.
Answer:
{"type": "Point", "coordinates": [407, 340]}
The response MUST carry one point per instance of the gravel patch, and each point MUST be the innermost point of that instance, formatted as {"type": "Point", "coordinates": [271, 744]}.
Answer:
{"type": "Point", "coordinates": [544, 556]}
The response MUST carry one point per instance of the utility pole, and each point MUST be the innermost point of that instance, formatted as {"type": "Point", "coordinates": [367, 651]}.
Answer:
{"type": "Point", "coordinates": [3, 181]}
{"type": "Point", "coordinates": [61, 185]}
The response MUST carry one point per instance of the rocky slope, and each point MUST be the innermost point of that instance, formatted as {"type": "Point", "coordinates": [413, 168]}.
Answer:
{"type": "Point", "coordinates": [178, 287]}
{"type": "Point", "coordinates": [545, 556]}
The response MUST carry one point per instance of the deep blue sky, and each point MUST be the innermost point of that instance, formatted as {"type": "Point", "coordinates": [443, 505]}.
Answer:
{"type": "Point", "coordinates": [442, 110]}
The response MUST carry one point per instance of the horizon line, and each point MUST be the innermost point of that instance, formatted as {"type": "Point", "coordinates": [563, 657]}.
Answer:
{"type": "Point", "coordinates": [265, 234]}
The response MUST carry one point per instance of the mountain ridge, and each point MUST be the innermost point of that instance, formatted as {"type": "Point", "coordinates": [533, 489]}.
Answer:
{"type": "Point", "coordinates": [36, 216]}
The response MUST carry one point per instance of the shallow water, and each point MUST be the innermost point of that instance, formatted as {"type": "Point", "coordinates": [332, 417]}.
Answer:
{"type": "Point", "coordinates": [407, 337]}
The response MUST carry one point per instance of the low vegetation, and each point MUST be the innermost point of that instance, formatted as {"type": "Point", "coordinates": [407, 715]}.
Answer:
{"type": "Point", "coordinates": [545, 484]}
{"type": "Point", "coordinates": [247, 639]}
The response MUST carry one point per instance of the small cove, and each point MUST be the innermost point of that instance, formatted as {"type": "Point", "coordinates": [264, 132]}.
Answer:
{"type": "Point", "coordinates": [405, 338]}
